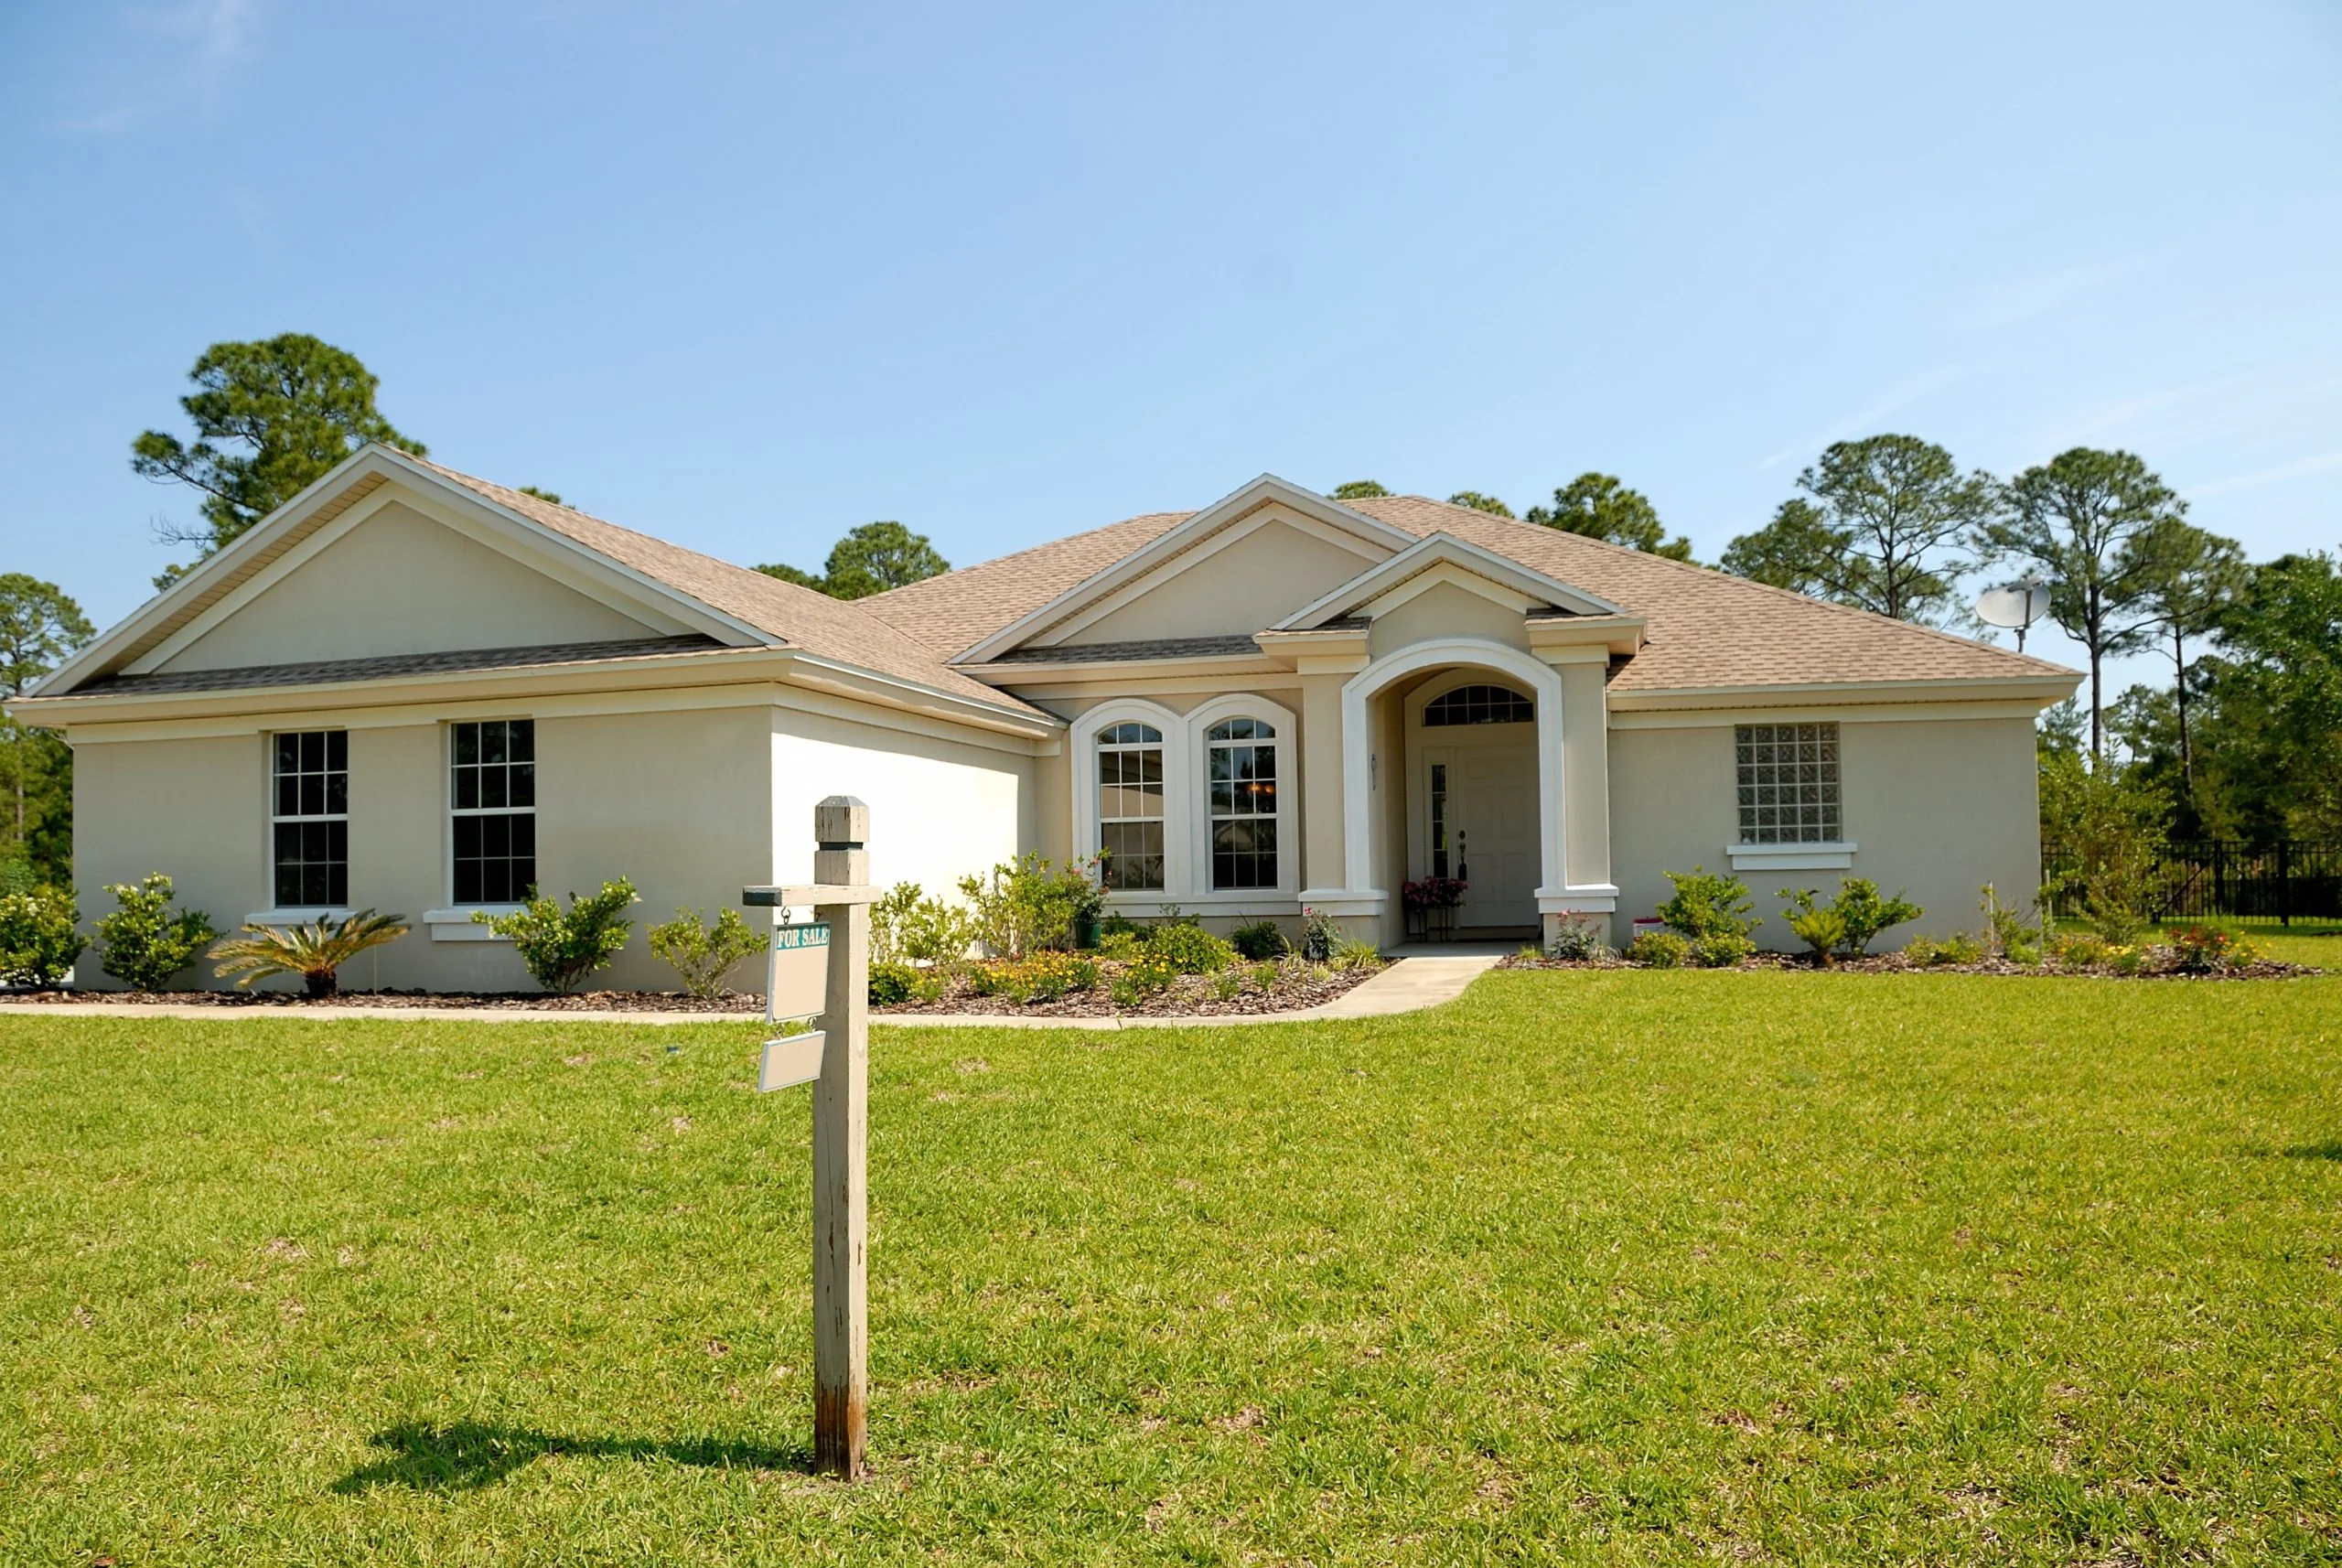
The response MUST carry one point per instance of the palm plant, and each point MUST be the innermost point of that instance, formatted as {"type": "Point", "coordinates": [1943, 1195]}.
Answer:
{"type": "Point", "coordinates": [314, 951]}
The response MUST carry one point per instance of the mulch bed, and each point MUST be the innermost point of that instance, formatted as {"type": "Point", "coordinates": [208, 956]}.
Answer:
{"type": "Point", "coordinates": [2163, 967]}
{"type": "Point", "coordinates": [1189, 996]}
{"type": "Point", "coordinates": [421, 1001]}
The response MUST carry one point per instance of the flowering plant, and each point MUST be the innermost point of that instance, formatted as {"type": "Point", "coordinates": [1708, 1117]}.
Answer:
{"type": "Point", "coordinates": [1433, 893]}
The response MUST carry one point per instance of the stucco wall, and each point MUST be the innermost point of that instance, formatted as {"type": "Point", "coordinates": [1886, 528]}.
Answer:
{"type": "Point", "coordinates": [399, 583]}
{"type": "Point", "coordinates": [1938, 808]}
{"type": "Point", "coordinates": [195, 809]}
{"type": "Point", "coordinates": [1255, 582]}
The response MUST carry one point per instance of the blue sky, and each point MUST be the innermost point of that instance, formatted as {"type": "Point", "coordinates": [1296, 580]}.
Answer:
{"type": "Point", "coordinates": [744, 276]}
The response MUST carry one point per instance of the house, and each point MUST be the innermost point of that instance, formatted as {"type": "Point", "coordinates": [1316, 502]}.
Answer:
{"type": "Point", "coordinates": [416, 691]}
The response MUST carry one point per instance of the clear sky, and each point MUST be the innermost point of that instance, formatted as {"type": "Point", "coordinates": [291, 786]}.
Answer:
{"type": "Point", "coordinates": [747, 276]}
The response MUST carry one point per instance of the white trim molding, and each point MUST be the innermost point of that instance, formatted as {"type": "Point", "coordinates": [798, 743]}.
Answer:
{"type": "Point", "coordinates": [1477, 653]}
{"type": "Point", "coordinates": [457, 925]}
{"type": "Point", "coordinates": [1594, 898]}
{"type": "Point", "coordinates": [1081, 738]}
{"type": "Point", "coordinates": [1817, 856]}
{"type": "Point", "coordinates": [1239, 705]}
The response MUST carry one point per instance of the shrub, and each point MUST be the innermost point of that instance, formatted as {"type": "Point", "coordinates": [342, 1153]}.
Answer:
{"type": "Point", "coordinates": [1123, 944]}
{"type": "Point", "coordinates": [1023, 905]}
{"type": "Point", "coordinates": [1660, 950]}
{"type": "Point", "coordinates": [1260, 940]}
{"type": "Point", "coordinates": [2079, 951]}
{"type": "Point", "coordinates": [2006, 931]}
{"type": "Point", "coordinates": [2126, 959]}
{"type": "Point", "coordinates": [1866, 914]}
{"type": "Point", "coordinates": [1958, 948]}
{"type": "Point", "coordinates": [560, 950]}
{"type": "Point", "coordinates": [886, 917]}
{"type": "Point", "coordinates": [892, 982]}
{"type": "Point", "coordinates": [1821, 928]}
{"type": "Point", "coordinates": [2119, 911]}
{"type": "Point", "coordinates": [1579, 938]}
{"type": "Point", "coordinates": [1320, 934]}
{"type": "Point", "coordinates": [144, 943]}
{"type": "Point", "coordinates": [1708, 906]}
{"type": "Point", "coordinates": [39, 936]}
{"type": "Point", "coordinates": [1721, 951]}
{"type": "Point", "coordinates": [2203, 949]}
{"type": "Point", "coordinates": [1351, 954]}
{"type": "Point", "coordinates": [1264, 977]}
{"type": "Point", "coordinates": [1043, 977]}
{"type": "Point", "coordinates": [1188, 950]}
{"type": "Point", "coordinates": [315, 951]}
{"type": "Point", "coordinates": [1150, 976]}
{"type": "Point", "coordinates": [1229, 984]}
{"type": "Point", "coordinates": [699, 953]}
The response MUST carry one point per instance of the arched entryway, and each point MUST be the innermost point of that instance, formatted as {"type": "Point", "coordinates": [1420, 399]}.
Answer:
{"type": "Point", "coordinates": [1472, 797]}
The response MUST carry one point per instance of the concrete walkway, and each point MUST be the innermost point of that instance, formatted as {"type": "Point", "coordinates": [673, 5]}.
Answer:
{"type": "Point", "coordinates": [1429, 976]}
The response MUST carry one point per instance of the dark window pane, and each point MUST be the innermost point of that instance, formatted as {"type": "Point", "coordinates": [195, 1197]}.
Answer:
{"type": "Point", "coordinates": [492, 787]}
{"type": "Point", "coordinates": [520, 740]}
{"type": "Point", "coordinates": [524, 840]}
{"type": "Point", "coordinates": [313, 794]}
{"type": "Point", "coordinates": [467, 744]}
{"type": "Point", "coordinates": [521, 783]}
{"type": "Point", "coordinates": [288, 795]}
{"type": "Point", "coordinates": [467, 789]}
{"type": "Point", "coordinates": [337, 749]}
{"type": "Point", "coordinates": [336, 793]}
{"type": "Point", "coordinates": [467, 882]}
{"type": "Point", "coordinates": [491, 743]}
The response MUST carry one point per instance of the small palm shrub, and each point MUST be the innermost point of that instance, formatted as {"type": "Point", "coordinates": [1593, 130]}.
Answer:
{"type": "Point", "coordinates": [1821, 928]}
{"type": "Point", "coordinates": [699, 953]}
{"type": "Point", "coordinates": [144, 942]}
{"type": "Point", "coordinates": [1188, 950]}
{"type": "Point", "coordinates": [1260, 940]}
{"type": "Point", "coordinates": [314, 949]}
{"type": "Point", "coordinates": [561, 948]}
{"type": "Point", "coordinates": [1660, 950]}
{"type": "Point", "coordinates": [40, 936]}
{"type": "Point", "coordinates": [1705, 905]}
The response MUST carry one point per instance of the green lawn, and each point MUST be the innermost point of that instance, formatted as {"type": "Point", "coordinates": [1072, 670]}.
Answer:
{"type": "Point", "coordinates": [1599, 1267]}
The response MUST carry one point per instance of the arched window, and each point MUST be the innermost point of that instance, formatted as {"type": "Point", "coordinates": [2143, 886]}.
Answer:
{"type": "Point", "coordinates": [1130, 805]}
{"type": "Point", "coordinates": [1242, 770]}
{"type": "Point", "coordinates": [1480, 705]}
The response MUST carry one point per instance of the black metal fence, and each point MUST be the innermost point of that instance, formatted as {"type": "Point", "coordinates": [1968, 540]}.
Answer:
{"type": "Point", "coordinates": [2236, 881]}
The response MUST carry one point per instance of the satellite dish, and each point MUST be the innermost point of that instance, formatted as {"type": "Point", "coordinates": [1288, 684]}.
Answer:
{"type": "Point", "coordinates": [2015, 605]}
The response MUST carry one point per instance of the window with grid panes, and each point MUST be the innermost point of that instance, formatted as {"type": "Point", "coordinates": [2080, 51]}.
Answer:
{"type": "Point", "coordinates": [493, 799]}
{"type": "Point", "coordinates": [1789, 783]}
{"type": "Point", "coordinates": [310, 820]}
{"type": "Point", "coordinates": [1130, 806]}
{"type": "Point", "coordinates": [1242, 774]}
{"type": "Point", "coordinates": [1478, 705]}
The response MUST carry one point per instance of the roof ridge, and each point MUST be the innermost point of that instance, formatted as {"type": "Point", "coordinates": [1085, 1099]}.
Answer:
{"type": "Point", "coordinates": [1717, 573]}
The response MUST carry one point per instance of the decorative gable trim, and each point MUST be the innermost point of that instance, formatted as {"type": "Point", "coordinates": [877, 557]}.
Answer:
{"type": "Point", "coordinates": [227, 581]}
{"type": "Point", "coordinates": [1436, 558]}
{"type": "Point", "coordinates": [1355, 530]}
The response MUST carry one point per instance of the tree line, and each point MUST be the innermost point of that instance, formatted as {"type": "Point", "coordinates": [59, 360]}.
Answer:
{"type": "Point", "coordinates": [2245, 741]}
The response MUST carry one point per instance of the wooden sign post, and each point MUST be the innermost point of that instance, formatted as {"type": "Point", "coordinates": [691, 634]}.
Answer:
{"type": "Point", "coordinates": [841, 896]}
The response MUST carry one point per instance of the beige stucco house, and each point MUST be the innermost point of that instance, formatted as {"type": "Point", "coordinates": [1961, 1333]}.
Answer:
{"type": "Point", "coordinates": [415, 691]}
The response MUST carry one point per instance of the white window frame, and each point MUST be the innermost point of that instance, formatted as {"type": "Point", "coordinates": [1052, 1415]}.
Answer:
{"type": "Point", "coordinates": [1199, 722]}
{"type": "Point", "coordinates": [281, 914]}
{"type": "Point", "coordinates": [1107, 740]}
{"type": "Point", "coordinates": [454, 923]}
{"type": "Point", "coordinates": [1788, 855]}
{"type": "Point", "coordinates": [1083, 748]}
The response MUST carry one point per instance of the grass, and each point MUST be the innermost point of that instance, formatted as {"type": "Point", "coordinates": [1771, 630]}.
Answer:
{"type": "Point", "coordinates": [1586, 1267]}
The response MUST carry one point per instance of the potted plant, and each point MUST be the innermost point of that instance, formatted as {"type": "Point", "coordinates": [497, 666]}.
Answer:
{"type": "Point", "coordinates": [1431, 904]}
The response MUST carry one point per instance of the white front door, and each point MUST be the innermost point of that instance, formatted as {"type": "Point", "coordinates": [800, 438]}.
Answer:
{"type": "Point", "coordinates": [1483, 797]}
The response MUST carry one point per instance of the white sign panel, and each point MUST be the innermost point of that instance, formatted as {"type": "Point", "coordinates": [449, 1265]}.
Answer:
{"type": "Point", "coordinates": [791, 1060]}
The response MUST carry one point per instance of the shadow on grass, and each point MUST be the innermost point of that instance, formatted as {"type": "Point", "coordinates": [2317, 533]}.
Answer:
{"type": "Point", "coordinates": [468, 1454]}
{"type": "Point", "coordinates": [2329, 1150]}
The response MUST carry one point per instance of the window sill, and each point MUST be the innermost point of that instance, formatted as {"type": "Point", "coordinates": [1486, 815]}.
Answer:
{"type": "Point", "coordinates": [1831, 856]}
{"type": "Point", "coordinates": [280, 919]}
{"type": "Point", "coordinates": [457, 925]}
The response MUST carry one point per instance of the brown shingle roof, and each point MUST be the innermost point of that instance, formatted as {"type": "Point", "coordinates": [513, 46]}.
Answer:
{"type": "Point", "coordinates": [841, 630]}
{"type": "Point", "coordinates": [1705, 627]}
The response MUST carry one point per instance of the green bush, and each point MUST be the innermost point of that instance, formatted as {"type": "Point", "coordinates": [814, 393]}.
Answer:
{"type": "Point", "coordinates": [2006, 931]}
{"type": "Point", "coordinates": [1043, 977]}
{"type": "Point", "coordinates": [1721, 951]}
{"type": "Point", "coordinates": [1264, 977]}
{"type": "Point", "coordinates": [1866, 914]}
{"type": "Point", "coordinates": [1260, 940]}
{"type": "Point", "coordinates": [892, 982]}
{"type": "Point", "coordinates": [1320, 935]}
{"type": "Point", "coordinates": [1024, 905]}
{"type": "Point", "coordinates": [1958, 948]}
{"type": "Point", "coordinates": [2203, 949]}
{"type": "Point", "coordinates": [2081, 950]}
{"type": "Point", "coordinates": [1150, 976]}
{"type": "Point", "coordinates": [1708, 906]}
{"type": "Point", "coordinates": [1660, 950]}
{"type": "Point", "coordinates": [561, 949]}
{"type": "Point", "coordinates": [1352, 954]}
{"type": "Point", "coordinates": [909, 925]}
{"type": "Point", "coordinates": [1579, 938]}
{"type": "Point", "coordinates": [1188, 950]}
{"type": "Point", "coordinates": [1124, 945]}
{"type": "Point", "coordinates": [699, 953]}
{"type": "Point", "coordinates": [142, 943]}
{"type": "Point", "coordinates": [39, 936]}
